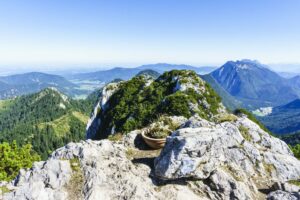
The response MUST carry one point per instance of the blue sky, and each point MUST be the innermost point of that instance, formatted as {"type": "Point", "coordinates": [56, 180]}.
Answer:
{"type": "Point", "coordinates": [132, 32]}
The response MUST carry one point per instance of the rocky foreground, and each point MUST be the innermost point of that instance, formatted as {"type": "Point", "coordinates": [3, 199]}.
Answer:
{"type": "Point", "coordinates": [201, 160]}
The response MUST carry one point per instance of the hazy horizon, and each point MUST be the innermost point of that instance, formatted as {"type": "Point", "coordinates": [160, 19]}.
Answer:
{"type": "Point", "coordinates": [91, 67]}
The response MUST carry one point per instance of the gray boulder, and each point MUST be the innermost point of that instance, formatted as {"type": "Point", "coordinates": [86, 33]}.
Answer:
{"type": "Point", "coordinates": [281, 195]}
{"type": "Point", "coordinates": [201, 160]}
{"type": "Point", "coordinates": [229, 158]}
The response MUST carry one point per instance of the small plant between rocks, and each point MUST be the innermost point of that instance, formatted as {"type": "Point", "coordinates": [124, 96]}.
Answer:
{"type": "Point", "coordinates": [75, 185]}
{"type": "Point", "coordinates": [294, 182]}
{"type": "Point", "coordinates": [155, 135]}
{"type": "Point", "coordinates": [162, 128]}
{"type": "Point", "coordinates": [115, 137]}
{"type": "Point", "coordinates": [4, 189]}
{"type": "Point", "coordinates": [225, 117]}
{"type": "Point", "coordinates": [245, 133]}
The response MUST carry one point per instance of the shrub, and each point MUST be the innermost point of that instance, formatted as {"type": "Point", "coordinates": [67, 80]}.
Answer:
{"type": "Point", "coordinates": [4, 189]}
{"type": "Point", "coordinates": [115, 137]}
{"type": "Point", "coordinates": [296, 150]}
{"type": "Point", "coordinates": [13, 158]}
{"type": "Point", "coordinates": [225, 118]}
{"type": "Point", "coordinates": [295, 182]}
{"type": "Point", "coordinates": [135, 105]}
{"type": "Point", "coordinates": [245, 132]}
{"type": "Point", "coordinates": [158, 132]}
{"type": "Point", "coordinates": [177, 104]}
{"type": "Point", "coordinates": [162, 128]}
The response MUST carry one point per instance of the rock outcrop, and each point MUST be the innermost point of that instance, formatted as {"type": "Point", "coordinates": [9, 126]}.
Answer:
{"type": "Point", "coordinates": [235, 158]}
{"type": "Point", "coordinates": [201, 160]}
{"type": "Point", "coordinates": [94, 121]}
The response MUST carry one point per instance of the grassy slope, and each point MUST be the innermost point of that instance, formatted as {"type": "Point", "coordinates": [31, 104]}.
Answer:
{"type": "Point", "coordinates": [5, 104]}
{"type": "Point", "coordinates": [61, 126]}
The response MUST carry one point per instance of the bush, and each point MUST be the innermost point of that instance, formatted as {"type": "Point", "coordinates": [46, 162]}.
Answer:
{"type": "Point", "coordinates": [294, 182]}
{"type": "Point", "coordinates": [135, 105]}
{"type": "Point", "coordinates": [13, 158]}
{"type": "Point", "coordinates": [296, 150]}
{"type": "Point", "coordinates": [245, 132]}
{"type": "Point", "coordinates": [225, 118]}
{"type": "Point", "coordinates": [158, 132]}
{"type": "Point", "coordinates": [162, 128]}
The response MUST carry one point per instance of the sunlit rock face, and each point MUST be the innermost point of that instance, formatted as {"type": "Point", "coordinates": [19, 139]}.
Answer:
{"type": "Point", "coordinates": [201, 160]}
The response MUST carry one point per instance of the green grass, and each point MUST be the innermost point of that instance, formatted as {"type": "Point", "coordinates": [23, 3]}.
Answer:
{"type": "Point", "coordinates": [296, 150]}
{"type": "Point", "coordinates": [75, 164]}
{"type": "Point", "coordinates": [268, 167]}
{"type": "Point", "coordinates": [135, 105]}
{"type": "Point", "coordinates": [130, 153]}
{"type": "Point", "coordinates": [295, 182]}
{"type": "Point", "coordinates": [5, 104]}
{"type": "Point", "coordinates": [225, 118]}
{"type": "Point", "coordinates": [75, 185]}
{"type": "Point", "coordinates": [245, 132]}
{"type": "Point", "coordinates": [80, 116]}
{"type": "Point", "coordinates": [4, 189]}
{"type": "Point", "coordinates": [61, 126]}
{"type": "Point", "coordinates": [115, 137]}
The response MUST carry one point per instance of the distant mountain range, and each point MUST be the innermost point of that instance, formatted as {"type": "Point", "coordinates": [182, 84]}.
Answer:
{"type": "Point", "coordinates": [149, 72]}
{"type": "Point", "coordinates": [255, 85]}
{"type": "Point", "coordinates": [244, 83]}
{"type": "Point", "coordinates": [163, 67]}
{"type": "Point", "coordinates": [20, 84]}
{"type": "Point", "coordinates": [127, 73]}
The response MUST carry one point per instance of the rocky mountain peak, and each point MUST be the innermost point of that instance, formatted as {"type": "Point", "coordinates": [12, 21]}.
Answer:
{"type": "Point", "coordinates": [209, 154]}
{"type": "Point", "coordinates": [139, 101]}
{"type": "Point", "coordinates": [254, 84]}
{"type": "Point", "coordinates": [232, 159]}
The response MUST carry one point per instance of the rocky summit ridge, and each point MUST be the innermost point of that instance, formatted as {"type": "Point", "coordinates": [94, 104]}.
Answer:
{"type": "Point", "coordinates": [201, 160]}
{"type": "Point", "coordinates": [223, 156]}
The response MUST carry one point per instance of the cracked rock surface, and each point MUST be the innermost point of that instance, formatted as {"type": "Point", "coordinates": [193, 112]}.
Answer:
{"type": "Point", "coordinates": [201, 160]}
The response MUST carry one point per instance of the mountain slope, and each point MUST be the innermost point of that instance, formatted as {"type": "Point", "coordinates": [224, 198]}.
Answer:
{"type": "Point", "coordinates": [163, 67]}
{"type": "Point", "coordinates": [292, 105]}
{"type": "Point", "coordinates": [229, 101]}
{"type": "Point", "coordinates": [149, 72]}
{"type": "Point", "coordinates": [291, 139]}
{"type": "Point", "coordinates": [283, 119]}
{"type": "Point", "coordinates": [127, 73]}
{"type": "Point", "coordinates": [135, 103]}
{"type": "Point", "coordinates": [254, 84]}
{"type": "Point", "coordinates": [295, 82]}
{"type": "Point", "coordinates": [16, 85]}
{"type": "Point", "coordinates": [47, 120]}
{"type": "Point", "coordinates": [108, 75]}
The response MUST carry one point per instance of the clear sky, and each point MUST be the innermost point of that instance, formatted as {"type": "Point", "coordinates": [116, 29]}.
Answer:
{"type": "Point", "coordinates": [132, 32]}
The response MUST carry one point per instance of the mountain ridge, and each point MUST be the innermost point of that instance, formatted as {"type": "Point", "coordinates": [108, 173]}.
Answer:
{"type": "Point", "coordinates": [254, 84]}
{"type": "Point", "coordinates": [19, 84]}
{"type": "Point", "coordinates": [37, 118]}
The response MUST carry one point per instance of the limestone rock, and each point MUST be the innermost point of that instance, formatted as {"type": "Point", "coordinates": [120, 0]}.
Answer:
{"type": "Point", "coordinates": [94, 121]}
{"type": "Point", "coordinates": [252, 160]}
{"type": "Point", "coordinates": [201, 160]}
{"type": "Point", "coordinates": [44, 181]}
{"type": "Point", "coordinates": [281, 195]}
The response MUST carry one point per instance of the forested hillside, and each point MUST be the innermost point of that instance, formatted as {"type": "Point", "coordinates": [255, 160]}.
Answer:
{"type": "Point", "coordinates": [47, 120]}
